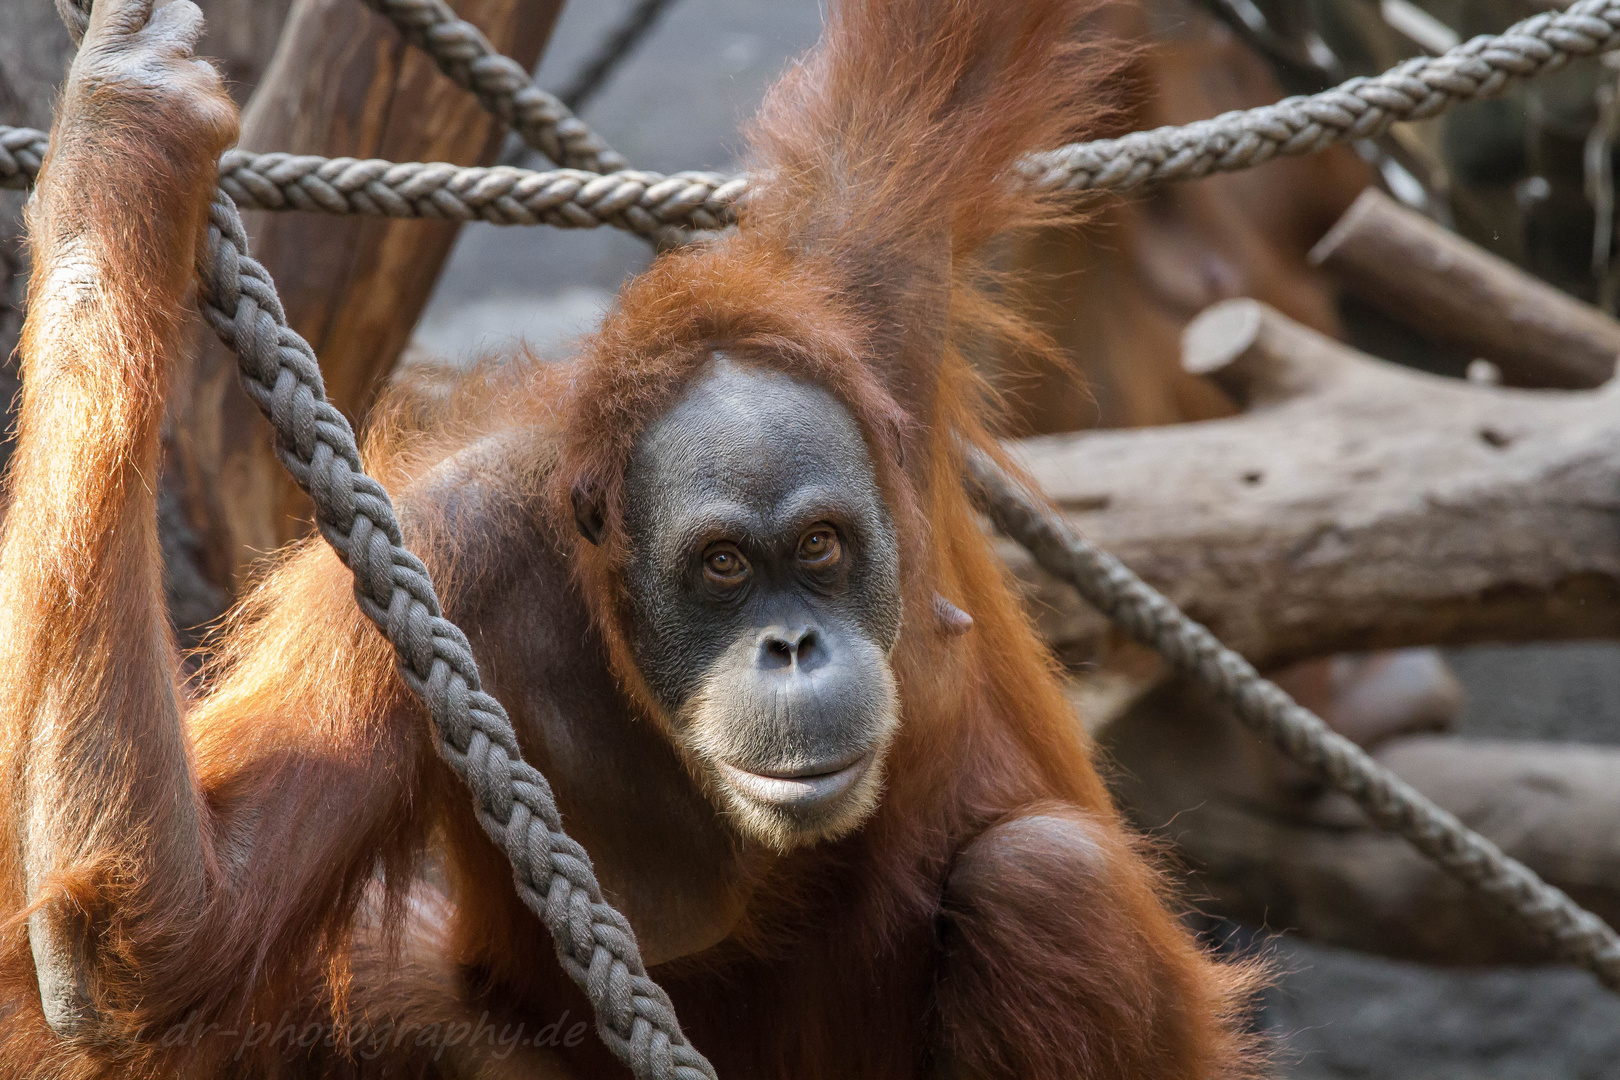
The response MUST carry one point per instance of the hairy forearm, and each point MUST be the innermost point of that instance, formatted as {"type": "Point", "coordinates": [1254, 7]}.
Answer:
{"type": "Point", "coordinates": [108, 822]}
{"type": "Point", "coordinates": [113, 225]}
{"type": "Point", "coordinates": [79, 574]}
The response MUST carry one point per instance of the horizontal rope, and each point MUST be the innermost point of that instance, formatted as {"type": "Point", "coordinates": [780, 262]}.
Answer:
{"type": "Point", "coordinates": [647, 202]}
{"type": "Point", "coordinates": [1545, 911]}
{"type": "Point", "coordinates": [1360, 108]}
{"type": "Point", "coordinates": [638, 202]}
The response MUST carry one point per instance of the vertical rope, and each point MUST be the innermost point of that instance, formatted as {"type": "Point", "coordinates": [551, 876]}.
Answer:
{"type": "Point", "coordinates": [512, 800]}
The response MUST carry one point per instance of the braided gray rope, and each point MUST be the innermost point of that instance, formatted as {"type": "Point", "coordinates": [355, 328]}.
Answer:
{"type": "Point", "coordinates": [512, 800]}
{"type": "Point", "coordinates": [502, 85]}
{"type": "Point", "coordinates": [640, 202]}
{"type": "Point", "coordinates": [645, 202]}
{"type": "Point", "coordinates": [1575, 934]}
{"type": "Point", "coordinates": [1360, 108]}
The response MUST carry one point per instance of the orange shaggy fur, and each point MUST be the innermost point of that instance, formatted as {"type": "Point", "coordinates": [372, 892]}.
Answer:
{"type": "Point", "coordinates": [329, 866]}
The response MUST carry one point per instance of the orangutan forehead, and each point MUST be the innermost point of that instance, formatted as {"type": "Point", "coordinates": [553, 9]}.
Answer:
{"type": "Point", "coordinates": [743, 432]}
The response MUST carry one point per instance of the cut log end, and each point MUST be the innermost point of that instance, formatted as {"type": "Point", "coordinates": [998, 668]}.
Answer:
{"type": "Point", "coordinates": [1258, 355]}
{"type": "Point", "coordinates": [1220, 335]}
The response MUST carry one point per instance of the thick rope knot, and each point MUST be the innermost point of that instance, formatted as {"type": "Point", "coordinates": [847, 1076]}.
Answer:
{"type": "Point", "coordinates": [501, 84]}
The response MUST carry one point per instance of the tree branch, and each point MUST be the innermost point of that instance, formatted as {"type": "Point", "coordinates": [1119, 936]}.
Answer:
{"type": "Point", "coordinates": [1356, 505]}
{"type": "Point", "coordinates": [1440, 284]}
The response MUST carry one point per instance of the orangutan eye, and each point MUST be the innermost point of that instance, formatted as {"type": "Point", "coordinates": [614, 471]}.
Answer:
{"type": "Point", "coordinates": [819, 547]}
{"type": "Point", "coordinates": [724, 565]}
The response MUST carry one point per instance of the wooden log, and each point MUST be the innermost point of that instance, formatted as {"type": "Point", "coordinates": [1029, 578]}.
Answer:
{"type": "Point", "coordinates": [342, 83]}
{"type": "Point", "coordinates": [241, 39]}
{"type": "Point", "coordinates": [1452, 290]}
{"type": "Point", "coordinates": [1357, 505]}
{"type": "Point", "coordinates": [1268, 847]}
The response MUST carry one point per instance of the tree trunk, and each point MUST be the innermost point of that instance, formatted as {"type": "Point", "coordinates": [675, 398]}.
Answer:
{"type": "Point", "coordinates": [343, 83]}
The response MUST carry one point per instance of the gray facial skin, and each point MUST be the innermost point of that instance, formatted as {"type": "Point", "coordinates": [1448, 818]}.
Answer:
{"type": "Point", "coordinates": [770, 655]}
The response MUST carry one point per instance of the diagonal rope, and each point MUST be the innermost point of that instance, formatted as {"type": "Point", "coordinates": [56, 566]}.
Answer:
{"type": "Point", "coordinates": [511, 799]}
{"type": "Point", "coordinates": [1574, 933]}
{"type": "Point", "coordinates": [503, 86]}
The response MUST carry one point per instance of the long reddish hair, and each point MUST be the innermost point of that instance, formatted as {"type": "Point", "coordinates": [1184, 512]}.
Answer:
{"type": "Point", "coordinates": [879, 175]}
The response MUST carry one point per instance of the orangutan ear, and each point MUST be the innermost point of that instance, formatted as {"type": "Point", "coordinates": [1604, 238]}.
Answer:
{"type": "Point", "coordinates": [588, 513]}
{"type": "Point", "coordinates": [894, 438]}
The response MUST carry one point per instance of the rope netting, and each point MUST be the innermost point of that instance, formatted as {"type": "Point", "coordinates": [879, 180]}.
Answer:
{"type": "Point", "coordinates": [592, 189]}
{"type": "Point", "coordinates": [513, 801]}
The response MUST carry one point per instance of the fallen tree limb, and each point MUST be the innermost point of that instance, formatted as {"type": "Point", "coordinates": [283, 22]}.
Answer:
{"type": "Point", "coordinates": [1269, 847]}
{"type": "Point", "coordinates": [1356, 505]}
{"type": "Point", "coordinates": [1452, 290]}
